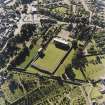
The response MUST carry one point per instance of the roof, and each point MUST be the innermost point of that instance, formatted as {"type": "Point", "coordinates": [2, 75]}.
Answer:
{"type": "Point", "coordinates": [102, 78]}
{"type": "Point", "coordinates": [7, 1]}
{"type": "Point", "coordinates": [61, 41]}
{"type": "Point", "coordinates": [34, 9]}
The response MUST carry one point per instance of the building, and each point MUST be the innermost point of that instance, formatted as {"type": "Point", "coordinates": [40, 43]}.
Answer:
{"type": "Point", "coordinates": [102, 90]}
{"type": "Point", "coordinates": [61, 43]}
{"type": "Point", "coordinates": [34, 10]}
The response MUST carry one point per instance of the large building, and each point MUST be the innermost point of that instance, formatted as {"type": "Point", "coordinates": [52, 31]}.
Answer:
{"type": "Point", "coordinates": [61, 43]}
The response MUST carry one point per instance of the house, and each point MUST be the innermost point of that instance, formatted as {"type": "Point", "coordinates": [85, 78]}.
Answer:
{"type": "Point", "coordinates": [102, 80]}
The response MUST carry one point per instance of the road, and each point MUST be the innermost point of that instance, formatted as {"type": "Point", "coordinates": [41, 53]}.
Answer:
{"type": "Point", "coordinates": [87, 9]}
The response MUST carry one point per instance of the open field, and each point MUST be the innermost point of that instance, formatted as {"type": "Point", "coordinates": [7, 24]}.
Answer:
{"type": "Point", "coordinates": [17, 93]}
{"type": "Point", "coordinates": [9, 95]}
{"type": "Point", "coordinates": [95, 71]}
{"type": "Point", "coordinates": [33, 51]}
{"type": "Point", "coordinates": [52, 57]}
{"type": "Point", "coordinates": [94, 92]}
{"type": "Point", "coordinates": [68, 60]}
{"type": "Point", "coordinates": [2, 101]}
{"type": "Point", "coordinates": [92, 71]}
{"type": "Point", "coordinates": [31, 70]}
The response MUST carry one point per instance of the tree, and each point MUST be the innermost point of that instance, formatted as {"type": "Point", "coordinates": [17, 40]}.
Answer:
{"type": "Point", "coordinates": [69, 72]}
{"type": "Point", "coordinates": [27, 30]}
{"type": "Point", "coordinates": [74, 44]}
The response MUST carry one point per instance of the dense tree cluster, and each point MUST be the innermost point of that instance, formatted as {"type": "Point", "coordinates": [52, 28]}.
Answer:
{"type": "Point", "coordinates": [27, 30]}
{"type": "Point", "coordinates": [21, 57]}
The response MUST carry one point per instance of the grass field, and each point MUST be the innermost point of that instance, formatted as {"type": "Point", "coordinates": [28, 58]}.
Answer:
{"type": "Point", "coordinates": [31, 70]}
{"type": "Point", "coordinates": [52, 57]}
{"type": "Point", "coordinates": [29, 58]}
{"type": "Point", "coordinates": [95, 71]}
{"type": "Point", "coordinates": [95, 93]}
{"type": "Point", "coordinates": [18, 92]}
{"type": "Point", "coordinates": [10, 96]}
{"type": "Point", "coordinates": [67, 61]}
{"type": "Point", "coordinates": [2, 101]}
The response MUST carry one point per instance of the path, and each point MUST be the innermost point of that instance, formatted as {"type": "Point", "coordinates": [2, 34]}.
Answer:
{"type": "Point", "coordinates": [87, 9]}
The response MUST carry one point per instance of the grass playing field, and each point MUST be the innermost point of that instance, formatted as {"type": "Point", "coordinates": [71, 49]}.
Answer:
{"type": "Point", "coordinates": [52, 57]}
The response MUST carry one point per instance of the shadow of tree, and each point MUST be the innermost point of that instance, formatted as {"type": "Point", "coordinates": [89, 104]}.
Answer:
{"type": "Point", "coordinates": [13, 86]}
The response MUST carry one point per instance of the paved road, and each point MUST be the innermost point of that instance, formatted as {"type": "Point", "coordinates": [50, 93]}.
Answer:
{"type": "Point", "coordinates": [87, 9]}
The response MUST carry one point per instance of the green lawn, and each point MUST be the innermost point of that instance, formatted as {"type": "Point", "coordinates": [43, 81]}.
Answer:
{"type": "Point", "coordinates": [95, 93]}
{"type": "Point", "coordinates": [52, 57]}
{"type": "Point", "coordinates": [29, 58]}
{"type": "Point", "coordinates": [95, 71]}
{"type": "Point", "coordinates": [11, 97]}
{"type": "Point", "coordinates": [2, 101]}
{"type": "Point", "coordinates": [79, 75]}
{"type": "Point", "coordinates": [67, 61]}
{"type": "Point", "coordinates": [31, 70]}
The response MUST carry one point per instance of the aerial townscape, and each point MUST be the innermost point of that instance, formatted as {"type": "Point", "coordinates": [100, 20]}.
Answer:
{"type": "Point", "coordinates": [52, 52]}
